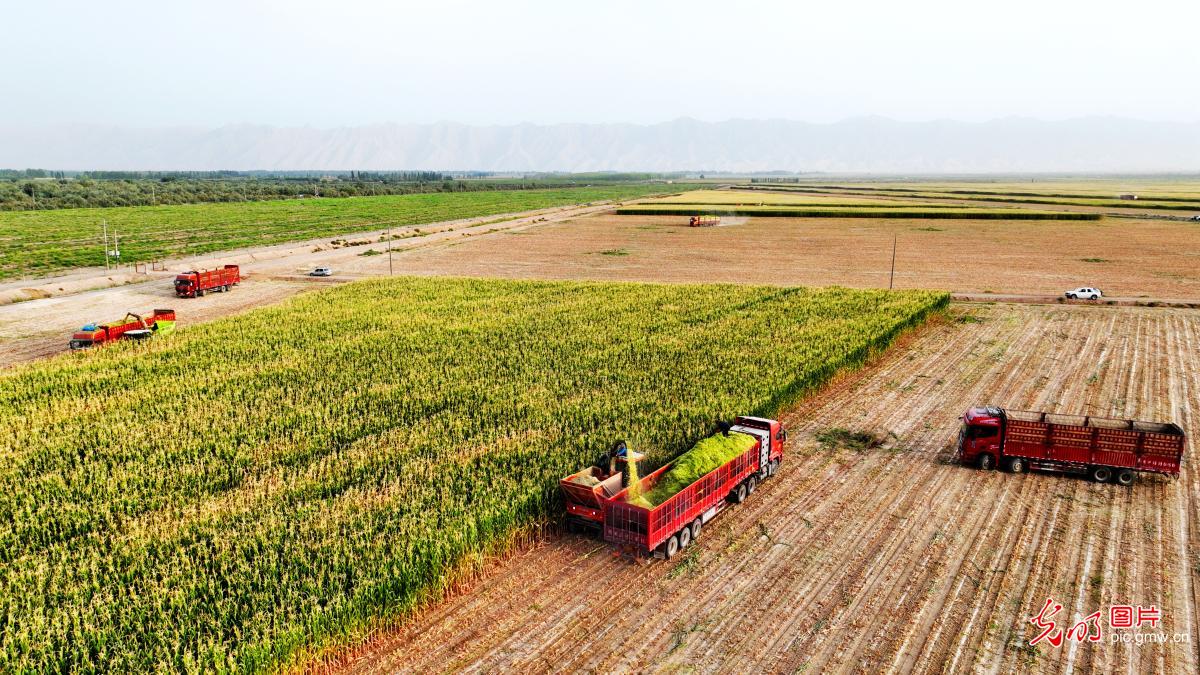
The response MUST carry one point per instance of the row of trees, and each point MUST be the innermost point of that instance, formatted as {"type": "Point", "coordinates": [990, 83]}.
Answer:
{"type": "Point", "coordinates": [88, 190]}
{"type": "Point", "coordinates": [389, 176]}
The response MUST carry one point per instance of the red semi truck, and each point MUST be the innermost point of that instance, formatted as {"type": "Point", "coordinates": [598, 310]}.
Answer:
{"type": "Point", "coordinates": [195, 284]}
{"type": "Point", "coordinates": [668, 528]}
{"type": "Point", "coordinates": [132, 327]}
{"type": "Point", "coordinates": [1105, 449]}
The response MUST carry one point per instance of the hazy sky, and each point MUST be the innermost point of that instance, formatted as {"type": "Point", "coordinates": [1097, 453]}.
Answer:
{"type": "Point", "coordinates": [296, 62]}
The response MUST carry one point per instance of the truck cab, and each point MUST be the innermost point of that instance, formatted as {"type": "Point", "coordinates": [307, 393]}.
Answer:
{"type": "Point", "coordinates": [771, 436]}
{"type": "Point", "coordinates": [979, 438]}
{"type": "Point", "coordinates": [185, 285]}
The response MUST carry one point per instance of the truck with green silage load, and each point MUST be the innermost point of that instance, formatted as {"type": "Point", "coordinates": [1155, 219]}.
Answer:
{"type": "Point", "coordinates": [663, 513]}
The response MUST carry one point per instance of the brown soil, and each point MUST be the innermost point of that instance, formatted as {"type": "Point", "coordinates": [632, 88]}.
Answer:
{"type": "Point", "coordinates": [891, 559]}
{"type": "Point", "coordinates": [979, 256]}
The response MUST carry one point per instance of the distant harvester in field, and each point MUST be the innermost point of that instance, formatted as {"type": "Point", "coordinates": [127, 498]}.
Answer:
{"type": "Point", "coordinates": [1127, 196]}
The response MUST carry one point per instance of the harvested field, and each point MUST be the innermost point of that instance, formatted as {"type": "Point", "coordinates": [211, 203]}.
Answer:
{"type": "Point", "coordinates": [935, 212]}
{"type": "Point", "coordinates": [888, 558]}
{"type": "Point", "coordinates": [1125, 258]}
{"type": "Point", "coordinates": [1178, 205]}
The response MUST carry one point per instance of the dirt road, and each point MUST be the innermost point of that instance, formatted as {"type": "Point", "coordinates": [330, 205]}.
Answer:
{"type": "Point", "coordinates": [41, 327]}
{"type": "Point", "coordinates": [893, 559]}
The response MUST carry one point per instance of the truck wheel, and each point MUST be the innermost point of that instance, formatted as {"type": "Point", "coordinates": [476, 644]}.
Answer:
{"type": "Point", "coordinates": [1101, 474]}
{"type": "Point", "coordinates": [986, 462]}
{"type": "Point", "coordinates": [685, 537]}
{"type": "Point", "coordinates": [1016, 465]}
{"type": "Point", "coordinates": [739, 495]}
{"type": "Point", "coordinates": [751, 484]}
{"type": "Point", "coordinates": [671, 547]}
{"type": "Point", "coordinates": [1125, 477]}
{"type": "Point", "coordinates": [696, 525]}
{"type": "Point", "coordinates": [773, 467]}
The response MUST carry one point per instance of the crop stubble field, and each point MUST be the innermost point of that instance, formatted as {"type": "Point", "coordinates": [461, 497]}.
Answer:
{"type": "Point", "coordinates": [1123, 257]}
{"type": "Point", "coordinates": [1180, 194]}
{"type": "Point", "coordinates": [221, 498]}
{"type": "Point", "coordinates": [892, 559]}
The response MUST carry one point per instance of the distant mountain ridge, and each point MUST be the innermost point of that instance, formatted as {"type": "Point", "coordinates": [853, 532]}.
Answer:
{"type": "Point", "coordinates": [870, 144]}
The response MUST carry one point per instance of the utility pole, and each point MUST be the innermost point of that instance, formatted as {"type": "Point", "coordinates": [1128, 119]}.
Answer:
{"type": "Point", "coordinates": [104, 224]}
{"type": "Point", "coordinates": [389, 236]}
{"type": "Point", "coordinates": [892, 276]}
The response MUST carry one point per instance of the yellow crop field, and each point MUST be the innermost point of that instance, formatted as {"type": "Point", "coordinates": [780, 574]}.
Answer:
{"type": "Point", "coordinates": [220, 498]}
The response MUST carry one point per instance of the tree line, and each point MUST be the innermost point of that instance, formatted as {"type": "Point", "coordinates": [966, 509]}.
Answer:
{"type": "Point", "coordinates": [54, 190]}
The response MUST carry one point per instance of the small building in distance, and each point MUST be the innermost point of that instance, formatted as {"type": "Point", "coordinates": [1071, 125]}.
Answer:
{"type": "Point", "coordinates": [1127, 195]}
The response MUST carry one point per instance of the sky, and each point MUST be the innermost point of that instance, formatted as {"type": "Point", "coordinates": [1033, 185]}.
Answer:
{"type": "Point", "coordinates": [327, 64]}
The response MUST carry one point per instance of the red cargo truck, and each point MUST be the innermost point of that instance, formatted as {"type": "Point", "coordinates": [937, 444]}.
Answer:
{"type": "Point", "coordinates": [132, 327]}
{"type": "Point", "coordinates": [666, 529]}
{"type": "Point", "coordinates": [195, 284]}
{"type": "Point", "coordinates": [1105, 449]}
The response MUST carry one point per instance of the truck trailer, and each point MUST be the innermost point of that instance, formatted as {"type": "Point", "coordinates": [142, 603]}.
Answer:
{"type": "Point", "coordinates": [132, 327]}
{"type": "Point", "coordinates": [662, 531]}
{"type": "Point", "coordinates": [1104, 449]}
{"type": "Point", "coordinates": [195, 284]}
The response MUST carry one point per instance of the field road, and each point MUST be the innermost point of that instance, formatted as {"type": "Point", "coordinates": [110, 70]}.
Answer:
{"type": "Point", "coordinates": [892, 559]}
{"type": "Point", "coordinates": [1050, 299]}
{"type": "Point", "coordinates": [41, 327]}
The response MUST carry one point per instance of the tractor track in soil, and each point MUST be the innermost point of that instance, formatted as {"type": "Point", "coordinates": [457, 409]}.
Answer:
{"type": "Point", "coordinates": [892, 559]}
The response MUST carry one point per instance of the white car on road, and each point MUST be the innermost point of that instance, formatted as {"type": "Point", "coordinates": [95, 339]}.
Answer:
{"type": "Point", "coordinates": [1085, 293]}
{"type": "Point", "coordinates": [321, 272]}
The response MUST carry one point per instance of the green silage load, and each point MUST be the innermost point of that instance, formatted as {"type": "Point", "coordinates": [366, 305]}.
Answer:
{"type": "Point", "coordinates": [704, 456]}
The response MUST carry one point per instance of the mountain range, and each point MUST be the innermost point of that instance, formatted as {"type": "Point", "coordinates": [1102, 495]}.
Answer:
{"type": "Point", "coordinates": [867, 145]}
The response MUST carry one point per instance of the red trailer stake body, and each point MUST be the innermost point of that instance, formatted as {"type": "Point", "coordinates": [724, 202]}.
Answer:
{"type": "Point", "coordinates": [195, 284]}
{"type": "Point", "coordinates": [671, 526]}
{"type": "Point", "coordinates": [1105, 449]}
{"type": "Point", "coordinates": [132, 327]}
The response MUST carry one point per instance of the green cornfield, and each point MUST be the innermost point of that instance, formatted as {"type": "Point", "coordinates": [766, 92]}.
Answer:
{"type": "Point", "coordinates": [41, 242]}
{"type": "Point", "coordinates": [238, 494]}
